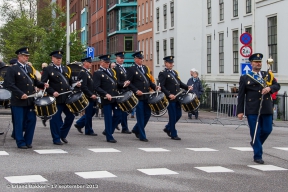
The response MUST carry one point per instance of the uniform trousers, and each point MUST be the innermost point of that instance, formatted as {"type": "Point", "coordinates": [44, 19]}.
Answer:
{"type": "Point", "coordinates": [143, 116]}
{"type": "Point", "coordinates": [263, 131]}
{"type": "Point", "coordinates": [26, 116]}
{"type": "Point", "coordinates": [111, 121]}
{"type": "Point", "coordinates": [86, 119]}
{"type": "Point", "coordinates": [124, 122]}
{"type": "Point", "coordinates": [57, 127]}
{"type": "Point", "coordinates": [175, 113]}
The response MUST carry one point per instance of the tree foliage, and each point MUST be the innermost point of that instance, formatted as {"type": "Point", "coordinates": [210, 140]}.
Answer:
{"type": "Point", "coordinates": [43, 32]}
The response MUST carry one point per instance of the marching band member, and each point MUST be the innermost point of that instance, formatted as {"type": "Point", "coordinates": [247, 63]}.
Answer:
{"type": "Point", "coordinates": [138, 75]}
{"type": "Point", "coordinates": [60, 80]}
{"type": "Point", "coordinates": [170, 85]}
{"type": "Point", "coordinates": [105, 84]}
{"type": "Point", "coordinates": [252, 85]}
{"type": "Point", "coordinates": [87, 87]}
{"type": "Point", "coordinates": [121, 74]}
{"type": "Point", "coordinates": [20, 80]}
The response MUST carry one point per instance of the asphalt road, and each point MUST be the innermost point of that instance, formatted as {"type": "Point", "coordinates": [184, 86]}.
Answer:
{"type": "Point", "coordinates": [171, 167]}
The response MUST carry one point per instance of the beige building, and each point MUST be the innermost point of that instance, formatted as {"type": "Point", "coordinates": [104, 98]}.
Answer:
{"type": "Point", "coordinates": [145, 31]}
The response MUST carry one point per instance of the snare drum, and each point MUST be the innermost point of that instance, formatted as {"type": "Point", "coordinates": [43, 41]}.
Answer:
{"type": "Point", "coordinates": [189, 102]}
{"type": "Point", "coordinates": [158, 103]}
{"type": "Point", "coordinates": [5, 97]}
{"type": "Point", "coordinates": [77, 102]}
{"type": "Point", "coordinates": [127, 102]}
{"type": "Point", "coordinates": [45, 106]}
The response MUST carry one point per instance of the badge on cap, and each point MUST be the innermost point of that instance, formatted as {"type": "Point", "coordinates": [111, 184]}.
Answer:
{"type": "Point", "coordinates": [27, 49]}
{"type": "Point", "coordinates": [258, 55]}
{"type": "Point", "coordinates": [108, 56]}
{"type": "Point", "coordinates": [171, 58]}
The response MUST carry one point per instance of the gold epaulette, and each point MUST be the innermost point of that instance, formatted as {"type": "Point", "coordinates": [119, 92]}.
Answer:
{"type": "Point", "coordinates": [271, 79]}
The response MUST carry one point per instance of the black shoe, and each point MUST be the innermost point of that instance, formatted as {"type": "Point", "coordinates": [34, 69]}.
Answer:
{"type": "Point", "coordinates": [1, 133]}
{"type": "Point", "coordinates": [251, 144]}
{"type": "Point", "coordinates": [145, 140]}
{"type": "Point", "coordinates": [23, 147]}
{"type": "Point", "coordinates": [168, 132]}
{"type": "Point", "coordinates": [196, 117]}
{"type": "Point", "coordinates": [78, 128]}
{"type": "Point", "coordinates": [117, 128]}
{"type": "Point", "coordinates": [126, 131]}
{"type": "Point", "coordinates": [96, 115]}
{"type": "Point", "coordinates": [132, 116]}
{"type": "Point", "coordinates": [136, 134]}
{"type": "Point", "coordinates": [176, 138]}
{"type": "Point", "coordinates": [29, 146]}
{"type": "Point", "coordinates": [112, 141]}
{"type": "Point", "coordinates": [259, 161]}
{"type": "Point", "coordinates": [13, 136]}
{"type": "Point", "coordinates": [58, 143]}
{"type": "Point", "coordinates": [189, 117]}
{"type": "Point", "coordinates": [64, 140]}
{"type": "Point", "coordinates": [92, 134]}
{"type": "Point", "coordinates": [104, 133]}
{"type": "Point", "coordinates": [102, 115]}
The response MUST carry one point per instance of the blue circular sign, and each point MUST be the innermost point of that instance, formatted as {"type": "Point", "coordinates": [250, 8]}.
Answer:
{"type": "Point", "coordinates": [246, 38]}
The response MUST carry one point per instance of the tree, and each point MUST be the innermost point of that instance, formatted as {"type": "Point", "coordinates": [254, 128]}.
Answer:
{"type": "Point", "coordinates": [43, 33]}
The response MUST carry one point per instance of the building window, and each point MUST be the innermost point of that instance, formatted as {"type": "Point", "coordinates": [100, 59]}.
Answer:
{"type": "Point", "coordinates": [272, 41]}
{"type": "Point", "coordinates": [248, 6]}
{"type": "Point", "coordinates": [209, 11]}
{"type": "Point", "coordinates": [143, 17]}
{"type": "Point", "coordinates": [128, 43]}
{"type": "Point", "coordinates": [147, 9]}
{"type": "Point", "coordinates": [151, 48]}
{"type": "Point", "coordinates": [249, 30]}
{"type": "Point", "coordinates": [172, 46]}
{"type": "Point", "coordinates": [147, 49]}
{"type": "Point", "coordinates": [221, 10]}
{"type": "Point", "coordinates": [151, 10]}
{"type": "Point", "coordinates": [235, 8]}
{"type": "Point", "coordinates": [221, 52]}
{"type": "Point", "coordinates": [165, 16]}
{"type": "Point", "coordinates": [235, 52]}
{"type": "Point", "coordinates": [157, 16]}
{"type": "Point", "coordinates": [143, 47]}
{"type": "Point", "coordinates": [172, 13]}
{"type": "Point", "coordinates": [209, 54]}
{"type": "Point", "coordinates": [165, 47]}
{"type": "Point", "coordinates": [157, 52]}
{"type": "Point", "coordinates": [139, 15]}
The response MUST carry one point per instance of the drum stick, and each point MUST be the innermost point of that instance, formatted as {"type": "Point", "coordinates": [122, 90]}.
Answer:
{"type": "Point", "coordinates": [189, 89]}
{"type": "Point", "coordinates": [45, 88]}
{"type": "Point", "coordinates": [179, 93]}
{"type": "Point", "coordinates": [65, 92]}
{"type": "Point", "coordinates": [74, 84]}
{"type": "Point", "coordinates": [158, 90]}
{"type": "Point", "coordinates": [148, 93]}
{"type": "Point", "coordinates": [115, 97]}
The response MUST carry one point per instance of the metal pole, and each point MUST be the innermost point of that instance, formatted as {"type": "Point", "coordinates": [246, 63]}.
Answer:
{"type": "Point", "coordinates": [67, 32]}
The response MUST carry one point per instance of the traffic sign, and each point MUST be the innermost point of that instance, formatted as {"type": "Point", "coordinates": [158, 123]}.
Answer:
{"type": "Point", "coordinates": [246, 51]}
{"type": "Point", "coordinates": [246, 38]}
{"type": "Point", "coordinates": [90, 52]}
{"type": "Point", "coordinates": [245, 68]}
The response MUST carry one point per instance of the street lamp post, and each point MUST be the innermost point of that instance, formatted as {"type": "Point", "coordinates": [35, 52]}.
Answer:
{"type": "Point", "coordinates": [67, 32]}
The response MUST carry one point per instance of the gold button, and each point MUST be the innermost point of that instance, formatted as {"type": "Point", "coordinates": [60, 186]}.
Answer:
{"type": "Point", "coordinates": [249, 99]}
{"type": "Point", "coordinates": [67, 89]}
{"type": "Point", "coordinates": [259, 91]}
{"type": "Point", "coordinates": [144, 87]}
{"type": "Point", "coordinates": [61, 89]}
{"type": "Point", "coordinates": [260, 98]}
{"type": "Point", "coordinates": [112, 89]}
{"type": "Point", "coordinates": [27, 91]}
{"type": "Point", "coordinates": [27, 84]}
{"type": "Point", "coordinates": [60, 82]}
{"type": "Point", "coordinates": [144, 82]}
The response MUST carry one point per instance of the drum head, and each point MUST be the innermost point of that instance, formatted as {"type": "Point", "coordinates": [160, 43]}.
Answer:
{"type": "Point", "coordinates": [44, 101]}
{"type": "Point", "coordinates": [74, 97]}
{"type": "Point", "coordinates": [187, 98]}
{"type": "Point", "coordinates": [153, 98]}
{"type": "Point", "coordinates": [126, 95]}
{"type": "Point", "coordinates": [4, 94]}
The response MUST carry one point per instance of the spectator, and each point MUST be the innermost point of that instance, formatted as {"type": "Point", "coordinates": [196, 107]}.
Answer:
{"type": "Point", "coordinates": [197, 88]}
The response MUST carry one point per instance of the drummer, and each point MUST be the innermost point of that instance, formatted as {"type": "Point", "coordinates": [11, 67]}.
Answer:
{"type": "Point", "coordinates": [121, 74]}
{"type": "Point", "coordinates": [87, 88]}
{"type": "Point", "coordinates": [170, 85]}
{"type": "Point", "coordinates": [20, 80]}
{"type": "Point", "coordinates": [105, 84]}
{"type": "Point", "coordinates": [60, 80]}
{"type": "Point", "coordinates": [138, 75]}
